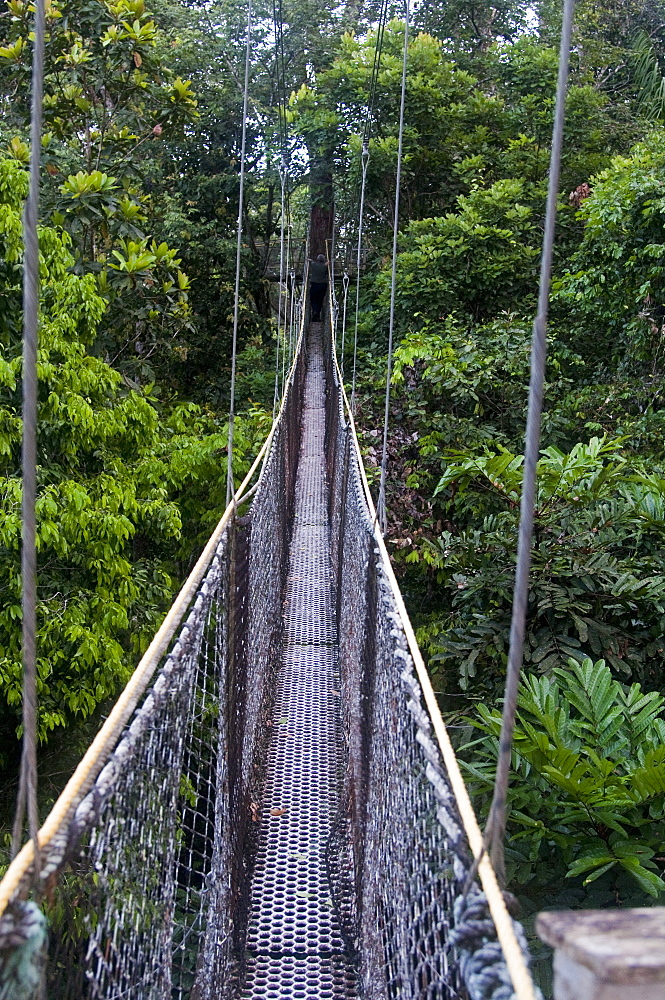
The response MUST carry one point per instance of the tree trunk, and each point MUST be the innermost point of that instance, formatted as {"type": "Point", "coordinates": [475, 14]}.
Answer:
{"type": "Point", "coordinates": [321, 200]}
{"type": "Point", "coordinates": [320, 233]}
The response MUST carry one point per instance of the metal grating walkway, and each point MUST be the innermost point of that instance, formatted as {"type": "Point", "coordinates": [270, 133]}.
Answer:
{"type": "Point", "coordinates": [294, 944]}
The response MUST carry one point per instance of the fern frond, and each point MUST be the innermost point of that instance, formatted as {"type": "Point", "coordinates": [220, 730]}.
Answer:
{"type": "Point", "coordinates": [641, 713]}
{"type": "Point", "coordinates": [591, 688]}
{"type": "Point", "coordinates": [649, 780]}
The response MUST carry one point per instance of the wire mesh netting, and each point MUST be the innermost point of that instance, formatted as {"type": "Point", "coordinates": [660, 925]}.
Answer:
{"type": "Point", "coordinates": [165, 880]}
{"type": "Point", "coordinates": [133, 862]}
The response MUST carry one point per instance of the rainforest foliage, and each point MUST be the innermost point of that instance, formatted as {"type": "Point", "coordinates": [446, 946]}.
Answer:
{"type": "Point", "coordinates": [143, 107]}
{"type": "Point", "coordinates": [479, 104]}
{"type": "Point", "coordinates": [128, 486]}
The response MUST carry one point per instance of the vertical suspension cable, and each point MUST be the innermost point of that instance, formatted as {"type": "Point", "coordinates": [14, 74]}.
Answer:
{"type": "Point", "coordinates": [27, 794]}
{"type": "Point", "coordinates": [292, 284]}
{"type": "Point", "coordinates": [236, 300]}
{"type": "Point", "coordinates": [333, 249]}
{"type": "Point", "coordinates": [383, 15]}
{"type": "Point", "coordinates": [302, 297]}
{"type": "Point", "coordinates": [367, 131]}
{"type": "Point", "coordinates": [361, 212]}
{"type": "Point", "coordinates": [282, 176]}
{"type": "Point", "coordinates": [282, 77]}
{"type": "Point", "coordinates": [278, 25]}
{"type": "Point", "coordinates": [286, 296]}
{"type": "Point", "coordinates": [496, 825]}
{"type": "Point", "coordinates": [292, 314]}
{"type": "Point", "coordinates": [381, 505]}
{"type": "Point", "coordinates": [330, 253]}
{"type": "Point", "coordinates": [275, 394]}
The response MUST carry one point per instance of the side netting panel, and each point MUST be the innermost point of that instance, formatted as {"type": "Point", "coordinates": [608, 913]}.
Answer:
{"type": "Point", "coordinates": [421, 930]}
{"type": "Point", "coordinates": [127, 914]}
{"type": "Point", "coordinates": [144, 886]}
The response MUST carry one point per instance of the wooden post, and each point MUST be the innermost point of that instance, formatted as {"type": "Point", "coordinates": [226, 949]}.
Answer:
{"type": "Point", "coordinates": [606, 954]}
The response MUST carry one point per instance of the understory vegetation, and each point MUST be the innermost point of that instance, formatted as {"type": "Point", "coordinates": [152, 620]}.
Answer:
{"type": "Point", "coordinates": [141, 146]}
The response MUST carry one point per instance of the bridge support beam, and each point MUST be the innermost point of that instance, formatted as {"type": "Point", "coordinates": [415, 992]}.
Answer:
{"type": "Point", "coordinates": [606, 954]}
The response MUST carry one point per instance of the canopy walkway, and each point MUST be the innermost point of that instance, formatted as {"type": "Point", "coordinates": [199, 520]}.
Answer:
{"type": "Point", "coordinates": [273, 808]}
{"type": "Point", "coordinates": [278, 812]}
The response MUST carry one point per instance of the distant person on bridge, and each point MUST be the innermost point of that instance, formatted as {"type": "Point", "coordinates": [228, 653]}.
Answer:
{"type": "Point", "coordinates": [318, 286]}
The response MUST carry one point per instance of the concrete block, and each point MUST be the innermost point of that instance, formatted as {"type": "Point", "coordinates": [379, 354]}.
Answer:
{"type": "Point", "coordinates": [606, 954]}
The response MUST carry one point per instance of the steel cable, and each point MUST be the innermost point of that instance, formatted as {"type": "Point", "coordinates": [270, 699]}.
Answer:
{"type": "Point", "coordinates": [383, 15]}
{"type": "Point", "coordinates": [292, 310]}
{"type": "Point", "coordinates": [236, 299]}
{"type": "Point", "coordinates": [333, 251]}
{"type": "Point", "coordinates": [280, 65]}
{"type": "Point", "coordinates": [361, 212]}
{"type": "Point", "coordinates": [27, 794]}
{"type": "Point", "coordinates": [282, 179]}
{"type": "Point", "coordinates": [286, 293]}
{"type": "Point", "coordinates": [496, 825]}
{"type": "Point", "coordinates": [345, 287]}
{"type": "Point", "coordinates": [280, 72]}
{"type": "Point", "coordinates": [381, 505]}
{"type": "Point", "coordinates": [364, 157]}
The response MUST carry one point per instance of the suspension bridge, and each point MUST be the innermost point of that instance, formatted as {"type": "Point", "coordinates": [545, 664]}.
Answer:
{"type": "Point", "coordinates": [273, 807]}
{"type": "Point", "coordinates": [277, 811]}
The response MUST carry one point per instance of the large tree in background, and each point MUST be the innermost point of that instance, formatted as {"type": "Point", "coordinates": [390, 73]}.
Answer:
{"type": "Point", "coordinates": [109, 98]}
{"type": "Point", "coordinates": [465, 129]}
{"type": "Point", "coordinates": [195, 187]}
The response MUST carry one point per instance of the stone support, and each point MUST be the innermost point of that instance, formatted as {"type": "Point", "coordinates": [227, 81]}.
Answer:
{"type": "Point", "coordinates": [606, 954]}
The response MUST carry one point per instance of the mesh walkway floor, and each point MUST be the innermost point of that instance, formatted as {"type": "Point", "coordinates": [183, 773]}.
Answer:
{"type": "Point", "coordinates": [294, 943]}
